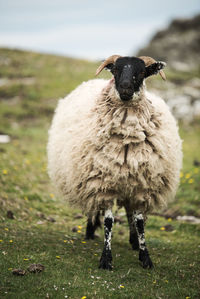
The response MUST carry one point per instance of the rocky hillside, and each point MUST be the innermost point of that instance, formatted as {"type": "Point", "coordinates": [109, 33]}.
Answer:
{"type": "Point", "coordinates": [179, 46]}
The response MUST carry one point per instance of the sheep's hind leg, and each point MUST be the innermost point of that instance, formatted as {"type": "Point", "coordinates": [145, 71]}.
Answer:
{"type": "Point", "coordinates": [106, 257]}
{"type": "Point", "coordinates": [143, 252]}
{"type": "Point", "coordinates": [133, 237]}
{"type": "Point", "coordinates": [92, 225]}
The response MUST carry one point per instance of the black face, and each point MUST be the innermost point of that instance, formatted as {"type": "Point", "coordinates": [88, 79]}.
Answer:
{"type": "Point", "coordinates": [129, 73]}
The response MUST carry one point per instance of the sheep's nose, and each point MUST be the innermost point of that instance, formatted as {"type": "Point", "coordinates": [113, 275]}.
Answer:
{"type": "Point", "coordinates": [125, 84]}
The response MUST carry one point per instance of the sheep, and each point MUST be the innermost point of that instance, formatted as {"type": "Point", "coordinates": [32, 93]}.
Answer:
{"type": "Point", "coordinates": [110, 142]}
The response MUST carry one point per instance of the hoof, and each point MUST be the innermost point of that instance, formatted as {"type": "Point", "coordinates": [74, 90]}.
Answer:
{"type": "Point", "coordinates": [105, 261]}
{"type": "Point", "coordinates": [105, 265]}
{"type": "Point", "coordinates": [145, 259]}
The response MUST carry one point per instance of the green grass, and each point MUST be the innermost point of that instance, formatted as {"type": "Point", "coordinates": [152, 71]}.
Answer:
{"type": "Point", "coordinates": [71, 266]}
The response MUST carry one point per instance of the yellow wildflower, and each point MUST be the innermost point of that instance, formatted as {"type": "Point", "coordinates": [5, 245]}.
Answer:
{"type": "Point", "coordinates": [83, 242]}
{"type": "Point", "coordinates": [5, 171]}
{"type": "Point", "coordinates": [191, 181]}
{"type": "Point", "coordinates": [169, 219]}
{"type": "Point", "coordinates": [79, 231]}
{"type": "Point", "coordinates": [65, 241]}
{"type": "Point", "coordinates": [84, 297]}
{"type": "Point", "coordinates": [154, 281]}
{"type": "Point", "coordinates": [162, 228]}
{"type": "Point", "coordinates": [121, 286]}
{"type": "Point", "coordinates": [25, 259]}
{"type": "Point", "coordinates": [6, 228]}
{"type": "Point", "coordinates": [188, 175]}
{"type": "Point", "coordinates": [11, 241]}
{"type": "Point", "coordinates": [57, 256]}
{"type": "Point", "coordinates": [1, 240]}
{"type": "Point", "coordinates": [181, 174]}
{"type": "Point", "coordinates": [52, 195]}
{"type": "Point", "coordinates": [166, 281]}
{"type": "Point", "coordinates": [79, 226]}
{"type": "Point", "coordinates": [27, 162]}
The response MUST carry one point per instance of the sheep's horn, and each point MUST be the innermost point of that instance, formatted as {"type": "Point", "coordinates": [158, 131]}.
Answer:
{"type": "Point", "coordinates": [111, 59]}
{"type": "Point", "coordinates": [148, 61]}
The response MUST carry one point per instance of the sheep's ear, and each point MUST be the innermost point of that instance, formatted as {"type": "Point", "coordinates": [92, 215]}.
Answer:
{"type": "Point", "coordinates": [155, 68]}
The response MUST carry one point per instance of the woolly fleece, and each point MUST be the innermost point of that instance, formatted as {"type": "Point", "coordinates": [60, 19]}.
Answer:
{"type": "Point", "coordinates": [101, 149]}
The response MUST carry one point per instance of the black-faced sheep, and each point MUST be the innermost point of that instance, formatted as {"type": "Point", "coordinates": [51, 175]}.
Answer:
{"type": "Point", "coordinates": [112, 141]}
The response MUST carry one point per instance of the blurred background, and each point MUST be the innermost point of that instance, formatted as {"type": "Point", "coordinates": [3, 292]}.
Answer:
{"type": "Point", "coordinates": [48, 48]}
{"type": "Point", "coordinates": [87, 29]}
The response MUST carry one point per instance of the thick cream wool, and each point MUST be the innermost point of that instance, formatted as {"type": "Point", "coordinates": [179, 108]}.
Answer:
{"type": "Point", "coordinates": [103, 150]}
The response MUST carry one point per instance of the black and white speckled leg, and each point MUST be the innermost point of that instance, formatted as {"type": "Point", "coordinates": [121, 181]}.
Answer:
{"type": "Point", "coordinates": [143, 252]}
{"type": "Point", "coordinates": [133, 237]}
{"type": "Point", "coordinates": [92, 225]}
{"type": "Point", "coordinates": [106, 257]}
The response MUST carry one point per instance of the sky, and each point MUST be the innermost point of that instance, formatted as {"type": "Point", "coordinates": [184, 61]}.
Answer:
{"type": "Point", "coordinates": [87, 29]}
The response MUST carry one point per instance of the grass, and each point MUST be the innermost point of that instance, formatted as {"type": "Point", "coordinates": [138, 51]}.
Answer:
{"type": "Point", "coordinates": [41, 231]}
{"type": "Point", "coordinates": [71, 264]}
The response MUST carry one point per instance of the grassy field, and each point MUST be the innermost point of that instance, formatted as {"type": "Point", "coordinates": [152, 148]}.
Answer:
{"type": "Point", "coordinates": [41, 231]}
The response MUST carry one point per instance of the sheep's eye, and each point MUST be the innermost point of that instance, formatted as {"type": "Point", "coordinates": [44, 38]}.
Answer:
{"type": "Point", "coordinates": [114, 71]}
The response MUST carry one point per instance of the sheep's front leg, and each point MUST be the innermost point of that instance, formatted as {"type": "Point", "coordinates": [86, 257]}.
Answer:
{"type": "Point", "coordinates": [106, 257]}
{"type": "Point", "coordinates": [143, 252]}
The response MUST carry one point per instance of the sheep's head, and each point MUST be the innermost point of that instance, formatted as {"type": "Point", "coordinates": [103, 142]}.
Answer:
{"type": "Point", "coordinates": [130, 72]}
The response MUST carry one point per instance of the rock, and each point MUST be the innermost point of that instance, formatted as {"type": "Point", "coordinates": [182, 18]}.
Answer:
{"type": "Point", "coordinates": [169, 228]}
{"type": "Point", "coordinates": [191, 219]}
{"type": "Point", "coordinates": [40, 222]}
{"type": "Point", "coordinates": [10, 215]}
{"type": "Point", "coordinates": [41, 216]}
{"type": "Point", "coordinates": [196, 163]}
{"type": "Point", "coordinates": [19, 272]}
{"type": "Point", "coordinates": [4, 139]}
{"type": "Point", "coordinates": [168, 44]}
{"type": "Point", "coordinates": [78, 216]}
{"type": "Point", "coordinates": [36, 268]}
{"type": "Point", "coordinates": [51, 219]}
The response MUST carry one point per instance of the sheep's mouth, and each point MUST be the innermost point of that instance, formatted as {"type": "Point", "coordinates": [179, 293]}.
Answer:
{"type": "Point", "coordinates": [126, 95]}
